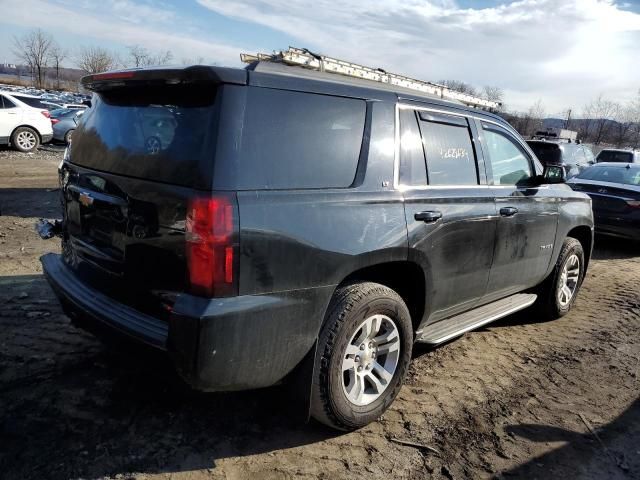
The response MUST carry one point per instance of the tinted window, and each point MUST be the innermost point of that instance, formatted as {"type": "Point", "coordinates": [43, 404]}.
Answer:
{"type": "Point", "coordinates": [449, 151]}
{"type": "Point", "coordinates": [628, 176]}
{"type": "Point", "coordinates": [6, 103]}
{"type": "Point", "coordinates": [614, 156]}
{"type": "Point", "coordinates": [412, 167]}
{"type": "Point", "coordinates": [300, 140]}
{"type": "Point", "coordinates": [547, 153]}
{"type": "Point", "coordinates": [159, 133]}
{"type": "Point", "coordinates": [509, 164]}
{"type": "Point", "coordinates": [32, 102]}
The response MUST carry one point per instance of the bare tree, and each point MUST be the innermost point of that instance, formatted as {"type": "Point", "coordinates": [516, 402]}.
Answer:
{"type": "Point", "coordinates": [141, 57]}
{"type": "Point", "coordinates": [625, 118]}
{"type": "Point", "coordinates": [96, 60]}
{"type": "Point", "coordinates": [493, 94]}
{"type": "Point", "coordinates": [192, 61]}
{"type": "Point", "coordinates": [602, 111]}
{"type": "Point", "coordinates": [33, 49]}
{"type": "Point", "coordinates": [138, 56]}
{"type": "Point", "coordinates": [57, 55]}
{"type": "Point", "coordinates": [459, 86]}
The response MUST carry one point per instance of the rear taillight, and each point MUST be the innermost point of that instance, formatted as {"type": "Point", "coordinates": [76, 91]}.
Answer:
{"type": "Point", "coordinates": [212, 246]}
{"type": "Point", "coordinates": [633, 203]}
{"type": "Point", "coordinates": [54, 121]}
{"type": "Point", "coordinates": [46, 113]}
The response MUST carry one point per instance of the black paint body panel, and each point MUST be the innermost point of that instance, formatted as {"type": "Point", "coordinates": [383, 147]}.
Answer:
{"type": "Point", "coordinates": [297, 245]}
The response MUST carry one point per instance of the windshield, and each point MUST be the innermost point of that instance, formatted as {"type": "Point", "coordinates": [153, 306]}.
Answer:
{"type": "Point", "coordinates": [613, 174]}
{"type": "Point", "coordinates": [615, 156]}
{"type": "Point", "coordinates": [159, 133]}
{"type": "Point", "coordinates": [547, 153]}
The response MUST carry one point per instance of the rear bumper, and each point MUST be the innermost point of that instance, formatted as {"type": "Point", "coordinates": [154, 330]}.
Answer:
{"type": "Point", "coordinates": [84, 303]}
{"type": "Point", "coordinates": [234, 343]}
{"type": "Point", "coordinates": [47, 138]}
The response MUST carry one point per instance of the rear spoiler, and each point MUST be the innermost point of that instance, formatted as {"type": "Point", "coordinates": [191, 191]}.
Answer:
{"type": "Point", "coordinates": [197, 74]}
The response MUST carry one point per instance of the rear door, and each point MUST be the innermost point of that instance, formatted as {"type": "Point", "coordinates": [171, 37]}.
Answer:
{"type": "Point", "coordinates": [10, 118]}
{"type": "Point", "coordinates": [449, 208]}
{"type": "Point", "coordinates": [528, 214]}
{"type": "Point", "coordinates": [139, 156]}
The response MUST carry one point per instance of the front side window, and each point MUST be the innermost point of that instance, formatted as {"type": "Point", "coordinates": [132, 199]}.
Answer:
{"type": "Point", "coordinates": [449, 151]}
{"type": "Point", "coordinates": [509, 164]}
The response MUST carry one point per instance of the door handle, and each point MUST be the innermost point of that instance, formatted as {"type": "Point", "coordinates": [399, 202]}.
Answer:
{"type": "Point", "coordinates": [429, 216]}
{"type": "Point", "coordinates": [508, 211]}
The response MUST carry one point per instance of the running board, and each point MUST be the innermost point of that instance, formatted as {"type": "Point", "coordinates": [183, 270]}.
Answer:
{"type": "Point", "coordinates": [455, 326]}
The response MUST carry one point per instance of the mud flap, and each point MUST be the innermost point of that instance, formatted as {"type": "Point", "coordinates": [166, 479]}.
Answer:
{"type": "Point", "coordinates": [298, 384]}
{"type": "Point", "coordinates": [47, 229]}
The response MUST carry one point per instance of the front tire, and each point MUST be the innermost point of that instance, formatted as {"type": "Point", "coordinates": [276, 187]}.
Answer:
{"type": "Point", "coordinates": [68, 136]}
{"type": "Point", "coordinates": [364, 350]}
{"type": "Point", "coordinates": [557, 294]}
{"type": "Point", "coordinates": [25, 139]}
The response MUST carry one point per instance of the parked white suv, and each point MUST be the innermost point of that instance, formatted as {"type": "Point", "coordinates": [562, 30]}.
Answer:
{"type": "Point", "coordinates": [24, 121]}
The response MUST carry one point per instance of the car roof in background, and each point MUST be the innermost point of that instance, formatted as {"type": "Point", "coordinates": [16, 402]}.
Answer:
{"type": "Point", "coordinates": [25, 95]}
{"type": "Point", "coordinates": [616, 165]}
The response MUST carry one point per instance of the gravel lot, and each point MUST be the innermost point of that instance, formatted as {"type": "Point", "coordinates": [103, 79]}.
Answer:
{"type": "Point", "coordinates": [519, 399]}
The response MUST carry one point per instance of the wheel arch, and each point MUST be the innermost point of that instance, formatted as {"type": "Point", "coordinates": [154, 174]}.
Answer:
{"type": "Point", "coordinates": [404, 277]}
{"type": "Point", "coordinates": [26, 126]}
{"type": "Point", "coordinates": [584, 235]}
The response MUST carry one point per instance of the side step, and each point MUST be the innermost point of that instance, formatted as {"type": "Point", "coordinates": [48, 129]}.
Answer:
{"type": "Point", "coordinates": [455, 326]}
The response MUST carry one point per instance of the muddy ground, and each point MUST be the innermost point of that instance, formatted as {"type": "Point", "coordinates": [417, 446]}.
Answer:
{"type": "Point", "coordinates": [518, 399]}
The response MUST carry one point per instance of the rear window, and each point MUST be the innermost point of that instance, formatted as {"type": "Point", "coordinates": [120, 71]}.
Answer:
{"type": "Point", "coordinates": [627, 176]}
{"type": "Point", "coordinates": [159, 133]}
{"type": "Point", "coordinates": [32, 102]}
{"type": "Point", "coordinates": [613, 156]}
{"type": "Point", "coordinates": [300, 140]}
{"type": "Point", "coordinates": [547, 153]}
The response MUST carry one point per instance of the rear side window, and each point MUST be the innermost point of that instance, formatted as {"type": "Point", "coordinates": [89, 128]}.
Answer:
{"type": "Point", "coordinates": [449, 151]}
{"type": "Point", "coordinates": [294, 140]}
{"type": "Point", "coordinates": [32, 102]}
{"type": "Point", "coordinates": [6, 103]}
{"type": "Point", "coordinates": [413, 170]}
{"type": "Point", "coordinates": [613, 156]}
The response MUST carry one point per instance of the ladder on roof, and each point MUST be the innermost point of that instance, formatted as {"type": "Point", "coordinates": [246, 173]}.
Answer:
{"type": "Point", "coordinates": [302, 57]}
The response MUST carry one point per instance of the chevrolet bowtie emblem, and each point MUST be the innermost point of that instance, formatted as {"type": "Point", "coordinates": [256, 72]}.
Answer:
{"type": "Point", "coordinates": [85, 199]}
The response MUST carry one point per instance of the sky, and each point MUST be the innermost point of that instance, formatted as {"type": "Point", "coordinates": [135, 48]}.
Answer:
{"type": "Point", "coordinates": [562, 52]}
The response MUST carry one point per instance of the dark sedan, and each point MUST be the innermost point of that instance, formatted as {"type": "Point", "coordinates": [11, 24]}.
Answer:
{"type": "Point", "coordinates": [615, 191]}
{"type": "Point", "coordinates": [64, 122]}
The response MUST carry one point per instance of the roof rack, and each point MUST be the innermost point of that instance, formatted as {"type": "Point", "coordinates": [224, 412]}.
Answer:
{"type": "Point", "coordinates": [302, 57]}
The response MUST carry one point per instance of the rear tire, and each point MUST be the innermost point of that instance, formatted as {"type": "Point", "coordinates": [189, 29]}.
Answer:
{"type": "Point", "coordinates": [25, 139]}
{"type": "Point", "coordinates": [364, 350]}
{"type": "Point", "coordinates": [558, 292]}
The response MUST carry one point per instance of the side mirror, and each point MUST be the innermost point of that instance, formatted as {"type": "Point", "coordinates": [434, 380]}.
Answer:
{"type": "Point", "coordinates": [554, 174]}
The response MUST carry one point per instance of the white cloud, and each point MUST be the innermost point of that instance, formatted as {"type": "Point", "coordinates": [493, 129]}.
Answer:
{"type": "Point", "coordinates": [121, 23]}
{"type": "Point", "coordinates": [563, 51]}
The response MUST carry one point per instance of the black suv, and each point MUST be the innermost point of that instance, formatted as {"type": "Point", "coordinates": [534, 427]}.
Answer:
{"type": "Point", "coordinates": [574, 157]}
{"type": "Point", "coordinates": [251, 221]}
